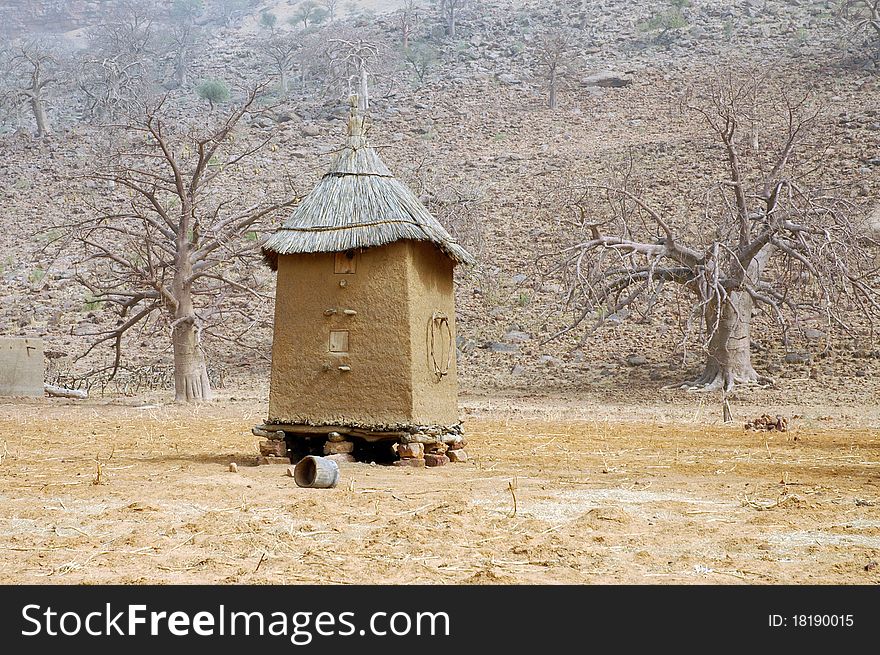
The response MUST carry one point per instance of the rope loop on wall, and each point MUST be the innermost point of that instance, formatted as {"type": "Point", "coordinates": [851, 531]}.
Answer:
{"type": "Point", "coordinates": [440, 332]}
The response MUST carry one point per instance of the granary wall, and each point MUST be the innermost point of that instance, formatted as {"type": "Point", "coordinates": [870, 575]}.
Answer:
{"type": "Point", "coordinates": [432, 334]}
{"type": "Point", "coordinates": [307, 385]}
{"type": "Point", "coordinates": [21, 367]}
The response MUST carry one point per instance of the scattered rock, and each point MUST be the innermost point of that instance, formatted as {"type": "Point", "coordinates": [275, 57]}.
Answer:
{"type": "Point", "coordinates": [465, 345]}
{"type": "Point", "coordinates": [813, 335]}
{"type": "Point", "coordinates": [497, 347]}
{"type": "Point", "coordinates": [335, 437]}
{"type": "Point", "coordinates": [636, 360]}
{"type": "Point", "coordinates": [607, 79]}
{"type": "Point", "coordinates": [458, 455]}
{"type": "Point", "coordinates": [432, 459]}
{"type": "Point", "coordinates": [516, 336]}
{"type": "Point", "coordinates": [310, 130]}
{"type": "Point", "coordinates": [509, 78]}
{"type": "Point", "coordinates": [768, 423]}
{"type": "Point", "coordinates": [262, 122]}
{"type": "Point", "coordinates": [797, 358]}
{"type": "Point", "coordinates": [233, 467]}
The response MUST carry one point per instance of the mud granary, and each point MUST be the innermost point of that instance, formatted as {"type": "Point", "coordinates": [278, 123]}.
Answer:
{"type": "Point", "coordinates": [363, 355]}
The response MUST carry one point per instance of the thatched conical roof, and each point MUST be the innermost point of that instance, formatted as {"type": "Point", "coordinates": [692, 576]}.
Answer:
{"type": "Point", "coordinates": [358, 204]}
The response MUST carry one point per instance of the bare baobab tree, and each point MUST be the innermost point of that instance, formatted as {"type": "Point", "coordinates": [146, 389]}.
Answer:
{"type": "Point", "coordinates": [331, 6]}
{"type": "Point", "coordinates": [408, 18]}
{"type": "Point", "coordinates": [552, 52]}
{"type": "Point", "coordinates": [769, 235]}
{"type": "Point", "coordinates": [308, 13]}
{"type": "Point", "coordinates": [120, 65]}
{"type": "Point", "coordinates": [349, 61]}
{"type": "Point", "coordinates": [864, 17]}
{"type": "Point", "coordinates": [29, 71]}
{"type": "Point", "coordinates": [169, 246]}
{"type": "Point", "coordinates": [450, 10]}
{"type": "Point", "coordinates": [281, 50]}
{"type": "Point", "coordinates": [182, 34]}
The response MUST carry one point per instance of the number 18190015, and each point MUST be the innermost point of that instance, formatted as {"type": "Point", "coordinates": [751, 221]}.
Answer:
{"type": "Point", "coordinates": [811, 621]}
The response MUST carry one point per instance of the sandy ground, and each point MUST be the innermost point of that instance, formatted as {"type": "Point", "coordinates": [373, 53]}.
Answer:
{"type": "Point", "coordinates": [555, 492]}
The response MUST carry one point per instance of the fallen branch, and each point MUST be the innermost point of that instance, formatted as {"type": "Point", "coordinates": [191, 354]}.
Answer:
{"type": "Point", "coordinates": [63, 392]}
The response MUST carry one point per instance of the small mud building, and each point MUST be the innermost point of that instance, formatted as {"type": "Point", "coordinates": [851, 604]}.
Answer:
{"type": "Point", "coordinates": [364, 336]}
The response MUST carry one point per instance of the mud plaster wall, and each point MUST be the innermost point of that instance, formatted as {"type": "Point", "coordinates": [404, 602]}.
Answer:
{"type": "Point", "coordinates": [378, 389]}
{"type": "Point", "coordinates": [395, 291]}
{"type": "Point", "coordinates": [435, 401]}
{"type": "Point", "coordinates": [21, 367]}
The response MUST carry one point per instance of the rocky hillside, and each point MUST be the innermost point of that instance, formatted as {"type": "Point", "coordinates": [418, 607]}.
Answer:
{"type": "Point", "coordinates": [477, 142]}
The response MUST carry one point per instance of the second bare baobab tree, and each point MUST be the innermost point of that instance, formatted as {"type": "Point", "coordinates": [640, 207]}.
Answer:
{"type": "Point", "coordinates": [767, 232]}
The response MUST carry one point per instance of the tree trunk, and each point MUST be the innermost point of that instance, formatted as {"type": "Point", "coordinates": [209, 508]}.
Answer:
{"type": "Point", "coordinates": [729, 352]}
{"type": "Point", "coordinates": [39, 115]}
{"type": "Point", "coordinates": [551, 100]}
{"type": "Point", "coordinates": [190, 371]}
{"type": "Point", "coordinates": [283, 82]}
{"type": "Point", "coordinates": [180, 68]}
{"type": "Point", "coordinates": [450, 22]}
{"type": "Point", "coordinates": [363, 90]}
{"type": "Point", "coordinates": [729, 355]}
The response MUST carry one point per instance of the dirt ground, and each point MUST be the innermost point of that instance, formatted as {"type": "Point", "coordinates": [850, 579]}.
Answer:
{"type": "Point", "coordinates": [555, 492]}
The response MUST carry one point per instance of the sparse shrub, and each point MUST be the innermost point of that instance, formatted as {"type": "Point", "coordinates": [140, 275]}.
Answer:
{"type": "Point", "coordinates": [309, 13]}
{"type": "Point", "coordinates": [48, 236]}
{"type": "Point", "coordinates": [268, 19]}
{"type": "Point", "coordinates": [801, 37]}
{"type": "Point", "coordinates": [36, 276]}
{"type": "Point", "coordinates": [90, 303]}
{"type": "Point", "coordinates": [421, 58]}
{"type": "Point", "coordinates": [728, 29]}
{"type": "Point", "coordinates": [214, 91]}
{"type": "Point", "coordinates": [664, 24]}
